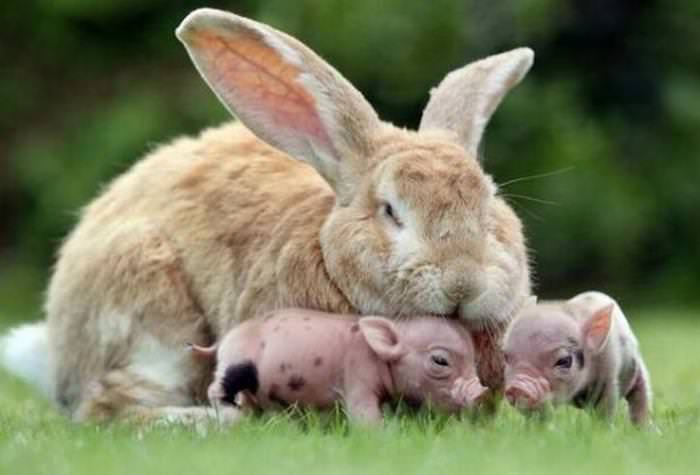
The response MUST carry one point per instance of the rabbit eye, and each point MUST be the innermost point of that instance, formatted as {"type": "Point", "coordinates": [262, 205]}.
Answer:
{"type": "Point", "coordinates": [389, 212]}
{"type": "Point", "coordinates": [564, 362]}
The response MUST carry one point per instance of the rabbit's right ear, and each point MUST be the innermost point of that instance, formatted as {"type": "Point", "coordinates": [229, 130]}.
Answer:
{"type": "Point", "coordinates": [282, 91]}
{"type": "Point", "coordinates": [465, 100]}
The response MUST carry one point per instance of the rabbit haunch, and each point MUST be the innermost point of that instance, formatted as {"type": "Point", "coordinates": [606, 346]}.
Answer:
{"type": "Point", "coordinates": [581, 351]}
{"type": "Point", "coordinates": [314, 359]}
{"type": "Point", "coordinates": [206, 232]}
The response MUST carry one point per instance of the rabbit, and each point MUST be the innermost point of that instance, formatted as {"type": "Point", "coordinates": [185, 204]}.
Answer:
{"type": "Point", "coordinates": [309, 200]}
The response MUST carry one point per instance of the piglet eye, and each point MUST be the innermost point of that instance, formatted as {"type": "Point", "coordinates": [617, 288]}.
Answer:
{"type": "Point", "coordinates": [389, 212]}
{"type": "Point", "coordinates": [564, 362]}
{"type": "Point", "coordinates": [439, 360]}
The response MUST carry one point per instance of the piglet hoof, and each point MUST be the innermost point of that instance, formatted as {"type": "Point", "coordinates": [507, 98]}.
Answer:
{"type": "Point", "coordinates": [646, 425]}
{"type": "Point", "coordinates": [651, 426]}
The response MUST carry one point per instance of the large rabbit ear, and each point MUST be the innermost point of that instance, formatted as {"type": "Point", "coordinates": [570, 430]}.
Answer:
{"type": "Point", "coordinates": [281, 90]}
{"type": "Point", "coordinates": [465, 100]}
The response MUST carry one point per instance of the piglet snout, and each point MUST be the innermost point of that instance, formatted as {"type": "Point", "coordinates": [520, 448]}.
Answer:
{"type": "Point", "coordinates": [519, 398]}
{"type": "Point", "coordinates": [526, 392]}
{"type": "Point", "coordinates": [469, 392]}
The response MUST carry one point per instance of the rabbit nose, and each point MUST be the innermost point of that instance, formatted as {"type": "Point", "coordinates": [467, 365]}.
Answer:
{"type": "Point", "coordinates": [457, 292]}
{"type": "Point", "coordinates": [460, 287]}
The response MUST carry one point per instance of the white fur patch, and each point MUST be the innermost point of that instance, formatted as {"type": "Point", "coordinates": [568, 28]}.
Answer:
{"type": "Point", "coordinates": [159, 363]}
{"type": "Point", "coordinates": [498, 302]}
{"type": "Point", "coordinates": [24, 353]}
{"type": "Point", "coordinates": [408, 244]}
{"type": "Point", "coordinates": [113, 327]}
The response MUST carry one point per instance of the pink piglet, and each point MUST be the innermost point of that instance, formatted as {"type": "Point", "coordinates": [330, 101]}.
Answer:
{"type": "Point", "coordinates": [313, 359]}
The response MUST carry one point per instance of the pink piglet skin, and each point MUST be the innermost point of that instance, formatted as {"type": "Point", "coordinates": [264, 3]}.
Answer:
{"type": "Point", "coordinates": [314, 359]}
{"type": "Point", "coordinates": [580, 351]}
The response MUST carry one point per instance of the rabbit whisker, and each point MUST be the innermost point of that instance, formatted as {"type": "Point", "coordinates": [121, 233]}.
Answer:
{"type": "Point", "coordinates": [529, 212]}
{"type": "Point", "coordinates": [535, 177]}
{"type": "Point", "coordinates": [530, 198]}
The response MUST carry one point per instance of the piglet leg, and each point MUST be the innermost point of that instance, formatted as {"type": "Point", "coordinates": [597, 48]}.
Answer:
{"type": "Point", "coordinates": [607, 406]}
{"type": "Point", "coordinates": [639, 398]}
{"type": "Point", "coordinates": [364, 407]}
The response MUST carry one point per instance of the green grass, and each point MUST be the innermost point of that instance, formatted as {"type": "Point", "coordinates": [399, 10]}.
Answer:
{"type": "Point", "coordinates": [34, 438]}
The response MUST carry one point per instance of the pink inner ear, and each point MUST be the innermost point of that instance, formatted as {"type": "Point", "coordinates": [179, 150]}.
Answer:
{"type": "Point", "coordinates": [259, 85]}
{"type": "Point", "coordinates": [381, 336]}
{"type": "Point", "coordinates": [599, 326]}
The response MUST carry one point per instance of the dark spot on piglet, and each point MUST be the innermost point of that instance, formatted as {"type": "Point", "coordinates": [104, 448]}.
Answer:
{"type": "Point", "coordinates": [296, 382]}
{"type": "Point", "coordinates": [318, 361]}
{"type": "Point", "coordinates": [262, 345]}
{"type": "Point", "coordinates": [239, 377]}
{"type": "Point", "coordinates": [355, 328]}
{"type": "Point", "coordinates": [283, 367]}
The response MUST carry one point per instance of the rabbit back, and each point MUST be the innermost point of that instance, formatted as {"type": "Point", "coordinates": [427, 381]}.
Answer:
{"type": "Point", "coordinates": [240, 215]}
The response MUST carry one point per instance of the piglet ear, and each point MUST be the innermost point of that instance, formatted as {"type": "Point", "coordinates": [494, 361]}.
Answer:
{"type": "Point", "coordinates": [383, 337]}
{"type": "Point", "coordinates": [596, 330]}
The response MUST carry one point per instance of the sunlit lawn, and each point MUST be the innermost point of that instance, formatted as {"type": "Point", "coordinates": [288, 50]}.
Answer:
{"type": "Point", "coordinates": [34, 438]}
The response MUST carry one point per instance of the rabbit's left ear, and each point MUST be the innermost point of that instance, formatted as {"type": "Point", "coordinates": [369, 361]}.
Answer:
{"type": "Point", "coordinates": [465, 100]}
{"type": "Point", "coordinates": [282, 91]}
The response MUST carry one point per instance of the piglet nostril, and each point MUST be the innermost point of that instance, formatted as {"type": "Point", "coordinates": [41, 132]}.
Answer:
{"type": "Point", "coordinates": [513, 394]}
{"type": "Point", "coordinates": [519, 398]}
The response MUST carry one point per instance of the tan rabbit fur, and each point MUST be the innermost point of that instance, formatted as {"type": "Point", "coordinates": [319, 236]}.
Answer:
{"type": "Point", "coordinates": [208, 231]}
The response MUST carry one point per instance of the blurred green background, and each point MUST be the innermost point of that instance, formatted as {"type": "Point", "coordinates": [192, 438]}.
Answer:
{"type": "Point", "coordinates": [611, 110]}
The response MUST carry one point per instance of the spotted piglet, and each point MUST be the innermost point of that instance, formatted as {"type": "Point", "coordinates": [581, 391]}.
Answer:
{"type": "Point", "coordinates": [313, 359]}
{"type": "Point", "coordinates": [580, 351]}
